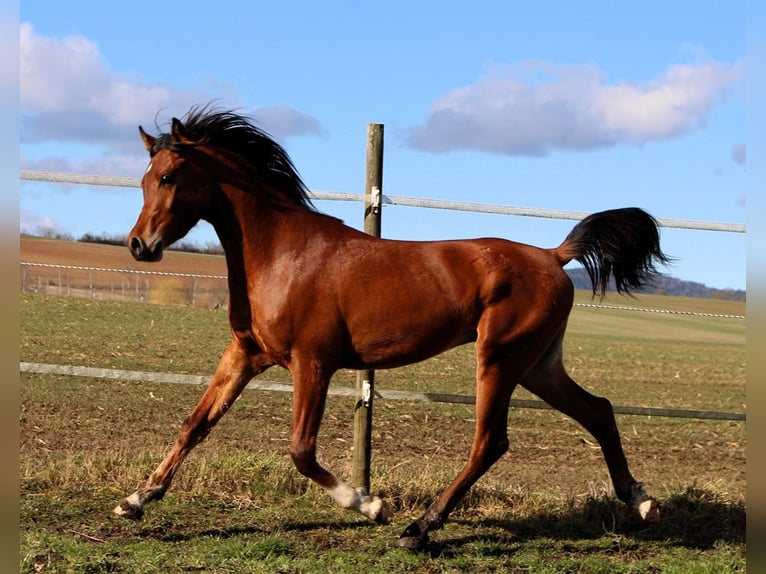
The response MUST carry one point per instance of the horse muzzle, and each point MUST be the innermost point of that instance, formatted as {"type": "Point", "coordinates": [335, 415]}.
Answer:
{"type": "Point", "coordinates": [143, 251]}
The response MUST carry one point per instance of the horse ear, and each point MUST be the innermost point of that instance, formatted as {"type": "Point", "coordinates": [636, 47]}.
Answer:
{"type": "Point", "coordinates": [148, 140]}
{"type": "Point", "coordinates": [177, 131]}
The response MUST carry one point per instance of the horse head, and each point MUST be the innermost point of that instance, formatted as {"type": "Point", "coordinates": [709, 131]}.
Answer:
{"type": "Point", "coordinates": [177, 193]}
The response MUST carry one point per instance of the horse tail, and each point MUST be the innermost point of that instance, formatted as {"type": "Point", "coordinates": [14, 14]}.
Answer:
{"type": "Point", "coordinates": [624, 243]}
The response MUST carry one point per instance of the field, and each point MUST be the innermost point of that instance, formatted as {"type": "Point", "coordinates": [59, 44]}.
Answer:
{"type": "Point", "coordinates": [132, 283]}
{"type": "Point", "coordinates": [237, 505]}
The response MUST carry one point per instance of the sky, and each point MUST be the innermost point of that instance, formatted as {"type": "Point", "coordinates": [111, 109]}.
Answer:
{"type": "Point", "coordinates": [579, 106]}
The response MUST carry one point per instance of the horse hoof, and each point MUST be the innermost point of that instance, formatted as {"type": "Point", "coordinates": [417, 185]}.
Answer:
{"type": "Point", "coordinates": [373, 507]}
{"type": "Point", "coordinates": [649, 510]}
{"type": "Point", "coordinates": [128, 509]}
{"type": "Point", "coordinates": [384, 514]}
{"type": "Point", "coordinates": [413, 538]}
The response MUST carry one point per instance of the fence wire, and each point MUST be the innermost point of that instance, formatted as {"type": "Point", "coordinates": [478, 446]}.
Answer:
{"type": "Point", "coordinates": [195, 276]}
{"type": "Point", "coordinates": [265, 385]}
{"type": "Point", "coordinates": [83, 179]}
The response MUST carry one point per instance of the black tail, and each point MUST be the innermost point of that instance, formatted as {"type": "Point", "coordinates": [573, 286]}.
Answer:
{"type": "Point", "coordinates": [624, 243]}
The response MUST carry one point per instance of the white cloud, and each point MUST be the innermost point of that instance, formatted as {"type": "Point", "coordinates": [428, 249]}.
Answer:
{"type": "Point", "coordinates": [285, 121]}
{"type": "Point", "coordinates": [56, 74]}
{"type": "Point", "coordinates": [534, 107]}
{"type": "Point", "coordinates": [69, 93]}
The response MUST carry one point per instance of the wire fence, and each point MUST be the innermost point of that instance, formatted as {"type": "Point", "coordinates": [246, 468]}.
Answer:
{"type": "Point", "coordinates": [83, 179]}
{"type": "Point", "coordinates": [202, 290]}
{"type": "Point", "coordinates": [196, 290]}
{"type": "Point", "coordinates": [212, 290]}
{"type": "Point", "coordinates": [380, 394]}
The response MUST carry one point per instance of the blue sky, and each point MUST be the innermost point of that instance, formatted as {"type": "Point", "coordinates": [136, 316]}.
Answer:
{"type": "Point", "coordinates": [578, 106]}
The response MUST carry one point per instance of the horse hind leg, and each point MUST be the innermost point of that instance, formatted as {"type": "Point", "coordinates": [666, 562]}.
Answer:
{"type": "Point", "coordinates": [550, 381]}
{"type": "Point", "coordinates": [234, 371]}
{"type": "Point", "coordinates": [494, 388]}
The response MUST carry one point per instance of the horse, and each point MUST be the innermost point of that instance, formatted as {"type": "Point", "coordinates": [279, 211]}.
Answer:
{"type": "Point", "coordinates": [301, 297]}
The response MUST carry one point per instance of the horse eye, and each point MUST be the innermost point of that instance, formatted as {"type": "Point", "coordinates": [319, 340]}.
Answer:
{"type": "Point", "coordinates": [166, 179]}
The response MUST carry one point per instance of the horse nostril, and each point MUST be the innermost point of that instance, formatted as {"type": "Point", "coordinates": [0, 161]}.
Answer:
{"type": "Point", "coordinates": [136, 245]}
{"type": "Point", "coordinates": [143, 252]}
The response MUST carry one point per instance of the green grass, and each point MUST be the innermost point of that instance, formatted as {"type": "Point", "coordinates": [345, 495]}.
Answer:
{"type": "Point", "coordinates": [237, 505]}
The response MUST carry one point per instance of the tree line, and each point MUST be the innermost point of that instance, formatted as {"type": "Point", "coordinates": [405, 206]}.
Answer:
{"type": "Point", "coordinates": [211, 247]}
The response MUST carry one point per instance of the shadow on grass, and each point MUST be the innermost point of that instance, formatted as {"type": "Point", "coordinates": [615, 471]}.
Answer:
{"type": "Point", "coordinates": [174, 535]}
{"type": "Point", "coordinates": [695, 519]}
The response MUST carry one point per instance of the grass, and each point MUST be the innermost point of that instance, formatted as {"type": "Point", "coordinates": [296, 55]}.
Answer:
{"type": "Point", "coordinates": [237, 505]}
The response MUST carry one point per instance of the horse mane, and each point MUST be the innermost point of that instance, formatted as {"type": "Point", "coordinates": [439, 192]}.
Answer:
{"type": "Point", "coordinates": [237, 135]}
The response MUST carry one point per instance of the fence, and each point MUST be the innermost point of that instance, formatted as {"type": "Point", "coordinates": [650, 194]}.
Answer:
{"type": "Point", "coordinates": [392, 200]}
{"type": "Point", "coordinates": [389, 395]}
{"type": "Point", "coordinates": [210, 291]}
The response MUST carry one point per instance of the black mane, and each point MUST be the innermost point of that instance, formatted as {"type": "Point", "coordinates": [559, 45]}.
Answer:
{"type": "Point", "coordinates": [236, 134]}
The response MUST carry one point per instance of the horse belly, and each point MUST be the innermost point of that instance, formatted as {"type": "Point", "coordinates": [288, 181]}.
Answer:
{"type": "Point", "coordinates": [399, 338]}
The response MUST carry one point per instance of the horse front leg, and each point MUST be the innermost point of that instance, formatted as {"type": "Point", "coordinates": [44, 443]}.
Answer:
{"type": "Point", "coordinates": [234, 371]}
{"type": "Point", "coordinates": [309, 398]}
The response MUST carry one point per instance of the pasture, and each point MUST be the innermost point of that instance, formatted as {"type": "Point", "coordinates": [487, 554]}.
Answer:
{"type": "Point", "coordinates": [237, 505]}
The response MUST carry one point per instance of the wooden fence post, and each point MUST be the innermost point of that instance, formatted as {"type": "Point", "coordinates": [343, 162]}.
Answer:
{"type": "Point", "coordinates": [365, 380]}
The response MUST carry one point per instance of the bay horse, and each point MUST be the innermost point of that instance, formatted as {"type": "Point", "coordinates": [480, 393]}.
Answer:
{"type": "Point", "coordinates": [302, 297]}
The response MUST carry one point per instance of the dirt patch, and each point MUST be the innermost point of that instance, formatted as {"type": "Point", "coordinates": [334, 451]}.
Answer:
{"type": "Point", "coordinates": [40, 250]}
{"type": "Point", "coordinates": [101, 271]}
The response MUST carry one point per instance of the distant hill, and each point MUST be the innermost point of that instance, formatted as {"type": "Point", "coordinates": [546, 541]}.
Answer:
{"type": "Point", "coordinates": [664, 285]}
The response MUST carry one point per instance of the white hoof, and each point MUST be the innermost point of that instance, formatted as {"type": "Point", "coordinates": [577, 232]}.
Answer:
{"type": "Point", "coordinates": [375, 509]}
{"type": "Point", "coordinates": [130, 508]}
{"type": "Point", "coordinates": [357, 499]}
{"type": "Point", "coordinates": [648, 508]}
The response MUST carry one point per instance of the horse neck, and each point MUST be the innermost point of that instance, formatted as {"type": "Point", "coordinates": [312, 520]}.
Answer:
{"type": "Point", "coordinates": [252, 231]}
{"type": "Point", "coordinates": [240, 215]}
